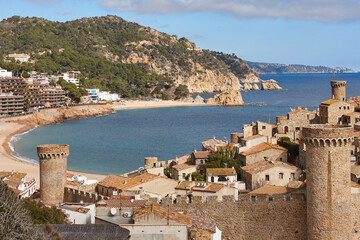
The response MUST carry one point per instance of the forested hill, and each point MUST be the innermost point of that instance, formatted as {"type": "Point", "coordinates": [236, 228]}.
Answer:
{"type": "Point", "coordinates": [115, 55]}
{"type": "Point", "coordinates": [271, 68]}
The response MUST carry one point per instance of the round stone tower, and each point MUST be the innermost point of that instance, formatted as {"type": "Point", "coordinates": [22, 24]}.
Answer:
{"type": "Point", "coordinates": [150, 162]}
{"type": "Point", "coordinates": [327, 151]}
{"type": "Point", "coordinates": [338, 89]}
{"type": "Point", "coordinates": [53, 161]}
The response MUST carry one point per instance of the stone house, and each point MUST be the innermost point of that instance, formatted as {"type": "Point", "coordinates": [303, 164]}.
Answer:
{"type": "Point", "coordinates": [291, 125]}
{"type": "Point", "coordinates": [260, 128]}
{"type": "Point", "coordinates": [153, 185]}
{"type": "Point", "coordinates": [221, 175]}
{"type": "Point", "coordinates": [261, 152]}
{"type": "Point", "coordinates": [269, 172]}
{"type": "Point", "coordinates": [246, 143]}
{"type": "Point", "coordinates": [180, 171]}
{"type": "Point", "coordinates": [204, 189]}
{"type": "Point", "coordinates": [163, 220]}
{"type": "Point", "coordinates": [199, 158]}
{"type": "Point", "coordinates": [212, 144]}
{"type": "Point", "coordinates": [332, 110]}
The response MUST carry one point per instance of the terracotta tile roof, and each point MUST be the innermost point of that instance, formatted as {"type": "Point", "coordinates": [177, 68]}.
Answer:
{"type": "Point", "coordinates": [184, 185]}
{"type": "Point", "coordinates": [201, 154]}
{"type": "Point", "coordinates": [183, 166]}
{"type": "Point", "coordinates": [220, 171]}
{"type": "Point", "coordinates": [202, 222]}
{"type": "Point", "coordinates": [270, 190]}
{"type": "Point", "coordinates": [295, 184]}
{"type": "Point", "coordinates": [355, 185]}
{"type": "Point", "coordinates": [329, 102]}
{"type": "Point", "coordinates": [13, 180]}
{"type": "Point", "coordinates": [253, 137]}
{"type": "Point", "coordinates": [261, 147]}
{"type": "Point", "coordinates": [69, 175]}
{"type": "Point", "coordinates": [112, 180]}
{"type": "Point", "coordinates": [71, 183]}
{"type": "Point", "coordinates": [263, 165]}
{"type": "Point", "coordinates": [13, 174]}
{"type": "Point", "coordinates": [4, 174]}
{"type": "Point", "coordinates": [163, 212]}
{"type": "Point", "coordinates": [200, 186]}
{"type": "Point", "coordinates": [126, 183]}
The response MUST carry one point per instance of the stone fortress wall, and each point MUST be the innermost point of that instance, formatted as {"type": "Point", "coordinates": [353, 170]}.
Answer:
{"type": "Point", "coordinates": [283, 216]}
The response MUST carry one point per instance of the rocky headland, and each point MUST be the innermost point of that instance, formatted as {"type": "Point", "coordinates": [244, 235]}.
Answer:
{"type": "Point", "coordinates": [228, 98]}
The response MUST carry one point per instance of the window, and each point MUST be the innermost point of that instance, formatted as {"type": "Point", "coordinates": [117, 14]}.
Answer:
{"type": "Point", "coordinates": [340, 108]}
{"type": "Point", "coordinates": [344, 107]}
{"type": "Point", "coordinates": [297, 128]}
{"type": "Point", "coordinates": [267, 178]}
{"type": "Point", "coordinates": [308, 116]}
{"type": "Point", "coordinates": [281, 175]}
{"type": "Point", "coordinates": [292, 175]}
{"type": "Point", "coordinates": [280, 159]}
{"type": "Point", "coordinates": [263, 127]}
{"type": "Point", "coordinates": [184, 175]}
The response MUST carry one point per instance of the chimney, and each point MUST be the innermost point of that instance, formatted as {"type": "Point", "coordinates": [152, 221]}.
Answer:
{"type": "Point", "coordinates": [195, 150]}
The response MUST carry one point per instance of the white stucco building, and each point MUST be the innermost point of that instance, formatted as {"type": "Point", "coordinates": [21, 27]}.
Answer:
{"type": "Point", "coordinates": [5, 73]}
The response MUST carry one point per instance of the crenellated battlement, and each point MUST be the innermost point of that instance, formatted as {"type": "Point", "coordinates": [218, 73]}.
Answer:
{"type": "Point", "coordinates": [242, 199]}
{"type": "Point", "coordinates": [328, 142]}
{"type": "Point", "coordinates": [337, 84]}
{"type": "Point", "coordinates": [75, 195]}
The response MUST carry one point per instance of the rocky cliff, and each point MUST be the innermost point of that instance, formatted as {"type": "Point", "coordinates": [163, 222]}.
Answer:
{"type": "Point", "coordinates": [56, 115]}
{"type": "Point", "coordinates": [228, 98]}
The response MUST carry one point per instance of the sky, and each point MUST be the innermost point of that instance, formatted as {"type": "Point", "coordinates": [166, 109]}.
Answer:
{"type": "Point", "coordinates": [310, 32]}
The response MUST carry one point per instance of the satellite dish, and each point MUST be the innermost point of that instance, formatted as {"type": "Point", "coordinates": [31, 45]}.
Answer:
{"type": "Point", "coordinates": [113, 211]}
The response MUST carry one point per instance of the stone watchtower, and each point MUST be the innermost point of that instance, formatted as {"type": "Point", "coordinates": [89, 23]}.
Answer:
{"type": "Point", "coordinates": [338, 90]}
{"type": "Point", "coordinates": [53, 161]}
{"type": "Point", "coordinates": [328, 189]}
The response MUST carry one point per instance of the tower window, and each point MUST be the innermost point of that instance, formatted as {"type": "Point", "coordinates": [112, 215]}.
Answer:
{"type": "Point", "coordinates": [267, 178]}
{"type": "Point", "coordinates": [292, 175]}
{"type": "Point", "coordinates": [281, 175]}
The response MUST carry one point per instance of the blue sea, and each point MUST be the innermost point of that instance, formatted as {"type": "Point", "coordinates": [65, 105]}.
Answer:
{"type": "Point", "coordinates": [117, 143]}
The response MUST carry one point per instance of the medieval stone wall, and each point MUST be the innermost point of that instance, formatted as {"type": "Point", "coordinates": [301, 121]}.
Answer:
{"type": "Point", "coordinates": [252, 217]}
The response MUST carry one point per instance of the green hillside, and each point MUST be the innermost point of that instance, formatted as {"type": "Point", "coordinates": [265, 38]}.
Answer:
{"type": "Point", "coordinates": [111, 53]}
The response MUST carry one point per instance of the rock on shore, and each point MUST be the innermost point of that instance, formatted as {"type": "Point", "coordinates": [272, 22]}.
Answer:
{"type": "Point", "coordinates": [229, 98]}
{"type": "Point", "coordinates": [270, 85]}
{"type": "Point", "coordinates": [55, 115]}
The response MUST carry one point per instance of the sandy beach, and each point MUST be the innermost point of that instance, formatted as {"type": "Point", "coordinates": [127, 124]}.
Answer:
{"type": "Point", "coordinates": [154, 104]}
{"type": "Point", "coordinates": [11, 126]}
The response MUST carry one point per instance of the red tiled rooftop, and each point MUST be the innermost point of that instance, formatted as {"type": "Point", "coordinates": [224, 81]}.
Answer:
{"type": "Point", "coordinates": [263, 165]}
{"type": "Point", "coordinates": [261, 147]}
{"type": "Point", "coordinates": [183, 166]}
{"type": "Point", "coordinates": [122, 183]}
{"type": "Point", "coordinates": [163, 212]}
{"type": "Point", "coordinates": [201, 154]}
{"type": "Point", "coordinates": [270, 190]}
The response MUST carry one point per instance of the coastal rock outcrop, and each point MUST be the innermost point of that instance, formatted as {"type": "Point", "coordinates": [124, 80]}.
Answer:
{"type": "Point", "coordinates": [229, 98]}
{"type": "Point", "coordinates": [256, 87]}
{"type": "Point", "coordinates": [199, 99]}
{"type": "Point", "coordinates": [270, 85]}
{"type": "Point", "coordinates": [247, 86]}
{"type": "Point", "coordinates": [56, 115]}
{"type": "Point", "coordinates": [188, 100]}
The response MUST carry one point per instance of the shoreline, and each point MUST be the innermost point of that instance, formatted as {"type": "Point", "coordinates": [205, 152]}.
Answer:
{"type": "Point", "coordinates": [12, 126]}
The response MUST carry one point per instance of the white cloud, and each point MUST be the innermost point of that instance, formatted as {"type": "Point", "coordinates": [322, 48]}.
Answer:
{"type": "Point", "coordinates": [315, 10]}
